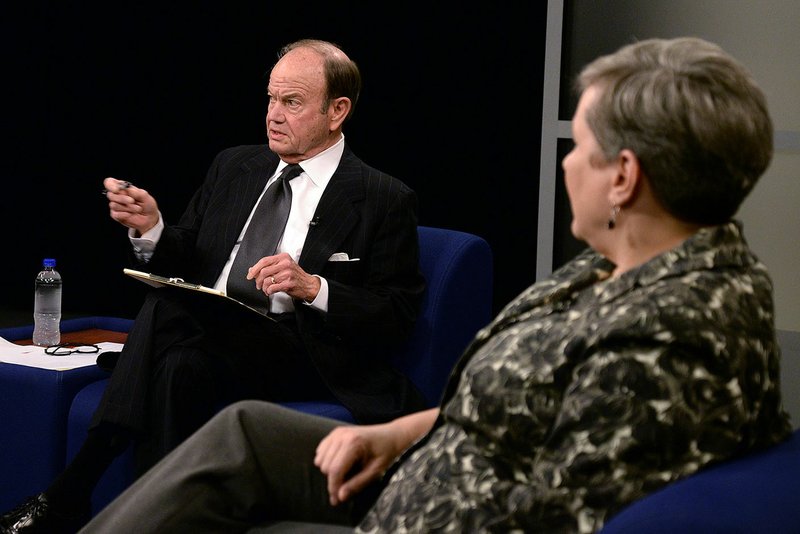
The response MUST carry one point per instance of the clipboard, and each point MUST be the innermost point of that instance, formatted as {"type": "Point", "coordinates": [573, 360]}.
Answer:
{"type": "Point", "coordinates": [156, 280]}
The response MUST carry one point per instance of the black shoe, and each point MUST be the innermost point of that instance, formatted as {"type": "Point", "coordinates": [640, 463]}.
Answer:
{"type": "Point", "coordinates": [36, 516]}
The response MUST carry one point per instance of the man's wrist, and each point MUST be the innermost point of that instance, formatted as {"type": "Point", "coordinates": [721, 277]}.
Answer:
{"type": "Point", "coordinates": [320, 300]}
{"type": "Point", "coordinates": [316, 285]}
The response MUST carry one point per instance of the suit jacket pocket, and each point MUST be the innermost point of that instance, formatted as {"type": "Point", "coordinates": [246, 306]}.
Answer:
{"type": "Point", "coordinates": [345, 272]}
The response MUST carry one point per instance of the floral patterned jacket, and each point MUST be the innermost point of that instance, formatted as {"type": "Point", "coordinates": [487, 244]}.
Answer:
{"type": "Point", "coordinates": [588, 392]}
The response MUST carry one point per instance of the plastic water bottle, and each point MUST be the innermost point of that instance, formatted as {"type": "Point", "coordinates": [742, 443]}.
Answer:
{"type": "Point", "coordinates": [47, 305]}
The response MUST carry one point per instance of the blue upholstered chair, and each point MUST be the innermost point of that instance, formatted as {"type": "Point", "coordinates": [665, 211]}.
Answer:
{"type": "Point", "coordinates": [753, 494]}
{"type": "Point", "coordinates": [458, 268]}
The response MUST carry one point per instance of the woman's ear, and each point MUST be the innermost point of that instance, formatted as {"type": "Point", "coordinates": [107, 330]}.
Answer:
{"type": "Point", "coordinates": [627, 180]}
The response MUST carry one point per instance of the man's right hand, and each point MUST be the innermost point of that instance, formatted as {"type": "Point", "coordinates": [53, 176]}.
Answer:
{"type": "Point", "coordinates": [131, 206]}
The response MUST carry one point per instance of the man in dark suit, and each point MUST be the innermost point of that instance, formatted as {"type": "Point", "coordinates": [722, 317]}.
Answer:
{"type": "Point", "coordinates": [341, 288]}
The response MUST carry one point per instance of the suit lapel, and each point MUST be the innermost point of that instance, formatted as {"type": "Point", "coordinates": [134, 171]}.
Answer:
{"type": "Point", "coordinates": [336, 214]}
{"type": "Point", "coordinates": [243, 192]}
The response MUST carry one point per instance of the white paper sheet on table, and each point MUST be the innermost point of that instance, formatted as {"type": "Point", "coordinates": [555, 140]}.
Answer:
{"type": "Point", "coordinates": [34, 356]}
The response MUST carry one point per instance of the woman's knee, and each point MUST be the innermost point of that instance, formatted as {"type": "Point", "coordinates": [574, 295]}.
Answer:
{"type": "Point", "coordinates": [263, 418]}
{"type": "Point", "coordinates": [255, 412]}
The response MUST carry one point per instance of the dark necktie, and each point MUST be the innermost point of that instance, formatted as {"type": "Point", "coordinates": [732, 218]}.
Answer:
{"type": "Point", "coordinates": [261, 238]}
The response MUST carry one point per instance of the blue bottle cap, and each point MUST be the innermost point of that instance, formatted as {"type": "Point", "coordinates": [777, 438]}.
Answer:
{"type": "Point", "coordinates": [49, 262]}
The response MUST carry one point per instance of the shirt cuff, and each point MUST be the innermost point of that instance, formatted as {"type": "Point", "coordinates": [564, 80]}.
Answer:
{"type": "Point", "coordinates": [145, 245]}
{"type": "Point", "coordinates": [321, 301]}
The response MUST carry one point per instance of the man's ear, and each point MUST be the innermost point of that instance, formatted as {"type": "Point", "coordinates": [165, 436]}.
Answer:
{"type": "Point", "coordinates": [338, 110]}
{"type": "Point", "coordinates": [628, 178]}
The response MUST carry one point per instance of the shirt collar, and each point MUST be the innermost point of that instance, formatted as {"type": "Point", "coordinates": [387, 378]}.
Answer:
{"type": "Point", "coordinates": [321, 167]}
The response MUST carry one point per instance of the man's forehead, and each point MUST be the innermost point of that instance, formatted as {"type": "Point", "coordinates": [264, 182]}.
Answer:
{"type": "Point", "coordinates": [298, 73]}
{"type": "Point", "coordinates": [294, 87]}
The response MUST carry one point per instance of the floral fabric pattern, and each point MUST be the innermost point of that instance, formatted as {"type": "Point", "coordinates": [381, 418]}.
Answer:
{"type": "Point", "coordinates": [588, 392]}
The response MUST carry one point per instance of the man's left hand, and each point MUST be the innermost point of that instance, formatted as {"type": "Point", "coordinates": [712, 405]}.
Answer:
{"type": "Point", "coordinates": [281, 273]}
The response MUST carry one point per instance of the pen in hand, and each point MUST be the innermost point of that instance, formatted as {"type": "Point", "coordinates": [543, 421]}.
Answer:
{"type": "Point", "coordinates": [122, 185]}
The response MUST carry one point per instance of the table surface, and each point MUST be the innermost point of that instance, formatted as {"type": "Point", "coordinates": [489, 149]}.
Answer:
{"type": "Point", "coordinates": [92, 335]}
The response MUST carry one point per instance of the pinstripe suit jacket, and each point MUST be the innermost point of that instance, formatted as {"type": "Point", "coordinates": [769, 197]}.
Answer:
{"type": "Point", "coordinates": [373, 302]}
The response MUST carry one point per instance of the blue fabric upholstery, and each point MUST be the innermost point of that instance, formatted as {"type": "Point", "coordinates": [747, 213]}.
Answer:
{"type": "Point", "coordinates": [756, 493]}
{"type": "Point", "coordinates": [34, 404]}
{"type": "Point", "coordinates": [121, 472]}
{"type": "Point", "coordinates": [458, 268]}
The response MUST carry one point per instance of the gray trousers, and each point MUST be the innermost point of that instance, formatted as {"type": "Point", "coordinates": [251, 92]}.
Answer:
{"type": "Point", "coordinates": [250, 467]}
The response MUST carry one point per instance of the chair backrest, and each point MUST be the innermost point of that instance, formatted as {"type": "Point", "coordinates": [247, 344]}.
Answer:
{"type": "Point", "coordinates": [458, 270]}
{"type": "Point", "coordinates": [759, 492]}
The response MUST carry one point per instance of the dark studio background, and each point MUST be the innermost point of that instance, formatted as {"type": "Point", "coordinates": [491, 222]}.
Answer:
{"type": "Point", "coordinates": [150, 92]}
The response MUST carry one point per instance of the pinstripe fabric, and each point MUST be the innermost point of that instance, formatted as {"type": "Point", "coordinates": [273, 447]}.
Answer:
{"type": "Point", "coordinates": [373, 302]}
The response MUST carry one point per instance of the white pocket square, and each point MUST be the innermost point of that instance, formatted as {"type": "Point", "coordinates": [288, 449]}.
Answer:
{"type": "Point", "coordinates": [341, 256]}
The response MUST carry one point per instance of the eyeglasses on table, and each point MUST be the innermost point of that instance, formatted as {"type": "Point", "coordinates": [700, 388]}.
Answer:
{"type": "Point", "coordinates": [65, 349]}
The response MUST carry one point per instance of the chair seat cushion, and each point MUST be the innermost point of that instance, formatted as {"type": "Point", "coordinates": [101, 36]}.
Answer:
{"type": "Point", "coordinates": [757, 493]}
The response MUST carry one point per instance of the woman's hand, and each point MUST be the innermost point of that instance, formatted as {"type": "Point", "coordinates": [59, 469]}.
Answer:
{"type": "Point", "coordinates": [353, 456]}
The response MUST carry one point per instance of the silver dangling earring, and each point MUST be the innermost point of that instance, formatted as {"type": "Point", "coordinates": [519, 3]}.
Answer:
{"type": "Point", "coordinates": [612, 221]}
